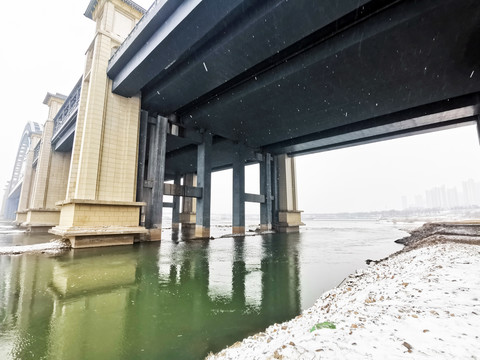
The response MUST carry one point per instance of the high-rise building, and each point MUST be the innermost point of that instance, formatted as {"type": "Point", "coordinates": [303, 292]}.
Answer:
{"type": "Point", "coordinates": [442, 197]}
{"type": "Point", "coordinates": [471, 192]}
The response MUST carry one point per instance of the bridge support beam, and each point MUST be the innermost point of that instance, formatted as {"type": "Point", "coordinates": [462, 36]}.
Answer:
{"type": "Point", "coordinates": [266, 190]}
{"type": "Point", "coordinates": [238, 181]}
{"type": "Point", "coordinates": [188, 215]}
{"type": "Point", "coordinates": [204, 178]}
{"type": "Point", "coordinates": [289, 217]}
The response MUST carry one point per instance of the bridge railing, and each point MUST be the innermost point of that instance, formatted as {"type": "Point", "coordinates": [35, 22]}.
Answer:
{"type": "Point", "coordinates": [68, 111]}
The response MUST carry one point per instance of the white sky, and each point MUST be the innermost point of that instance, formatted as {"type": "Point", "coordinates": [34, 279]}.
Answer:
{"type": "Point", "coordinates": [43, 47]}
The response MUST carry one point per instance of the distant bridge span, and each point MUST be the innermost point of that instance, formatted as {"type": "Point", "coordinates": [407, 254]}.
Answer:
{"type": "Point", "coordinates": [12, 192]}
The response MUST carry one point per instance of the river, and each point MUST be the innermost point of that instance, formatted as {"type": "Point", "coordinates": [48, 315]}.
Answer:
{"type": "Point", "coordinates": [174, 299]}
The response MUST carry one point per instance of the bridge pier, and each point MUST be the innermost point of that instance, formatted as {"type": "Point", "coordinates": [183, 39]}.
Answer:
{"type": "Point", "coordinates": [176, 206]}
{"type": "Point", "coordinates": [51, 175]}
{"type": "Point", "coordinates": [155, 179]}
{"type": "Point", "coordinates": [238, 181]}
{"type": "Point", "coordinates": [141, 163]}
{"type": "Point", "coordinates": [188, 216]}
{"type": "Point", "coordinates": [204, 173]}
{"type": "Point", "coordinates": [100, 207]}
{"type": "Point", "coordinates": [266, 190]}
{"type": "Point", "coordinates": [288, 215]}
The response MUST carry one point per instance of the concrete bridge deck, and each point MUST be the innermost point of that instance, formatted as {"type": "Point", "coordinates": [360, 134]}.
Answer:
{"type": "Point", "coordinates": [295, 77]}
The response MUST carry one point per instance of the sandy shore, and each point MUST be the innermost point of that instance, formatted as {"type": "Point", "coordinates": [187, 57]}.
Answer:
{"type": "Point", "coordinates": [423, 302]}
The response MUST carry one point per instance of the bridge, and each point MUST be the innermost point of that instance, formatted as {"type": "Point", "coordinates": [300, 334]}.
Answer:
{"type": "Point", "coordinates": [29, 141]}
{"type": "Point", "coordinates": [191, 87]}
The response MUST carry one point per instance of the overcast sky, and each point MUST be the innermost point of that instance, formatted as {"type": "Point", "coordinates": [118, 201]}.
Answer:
{"type": "Point", "coordinates": [43, 48]}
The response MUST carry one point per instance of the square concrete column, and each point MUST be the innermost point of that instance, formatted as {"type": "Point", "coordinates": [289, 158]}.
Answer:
{"type": "Point", "coordinates": [153, 220]}
{"type": "Point", "coordinates": [204, 173]}
{"type": "Point", "coordinates": [176, 205]}
{"type": "Point", "coordinates": [289, 218]}
{"type": "Point", "coordinates": [142, 153]}
{"type": "Point", "coordinates": [238, 211]}
{"type": "Point", "coordinates": [189, 205]}
{"type": "Point", "coordinates": [266, 190]}
{"type": "Point", "coordinates": [150, 169]}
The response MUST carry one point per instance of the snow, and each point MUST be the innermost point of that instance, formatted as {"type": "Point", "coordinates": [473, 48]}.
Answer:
{"type": "Point", "coordinates": [423, 303]}
{"type": "Point", "coordinates": [51, 247]}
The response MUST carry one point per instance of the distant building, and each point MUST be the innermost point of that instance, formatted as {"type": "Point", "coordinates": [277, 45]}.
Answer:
{"type": "Point", "coordinates": [441, 197]}
{"type": "Point", "coordinates": [471, 192]}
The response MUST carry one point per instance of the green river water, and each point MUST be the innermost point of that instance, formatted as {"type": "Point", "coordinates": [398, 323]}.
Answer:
{"type": "Point", "coordinates": [172, 300]}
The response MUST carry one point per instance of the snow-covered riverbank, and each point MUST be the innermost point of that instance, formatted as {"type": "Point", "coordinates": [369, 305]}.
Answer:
{"type": "Point", "coordinates": [423, 303]}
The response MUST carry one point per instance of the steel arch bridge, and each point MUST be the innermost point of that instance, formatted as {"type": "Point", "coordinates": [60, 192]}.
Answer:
{"type": "Point", "coordinates": [14, 186]}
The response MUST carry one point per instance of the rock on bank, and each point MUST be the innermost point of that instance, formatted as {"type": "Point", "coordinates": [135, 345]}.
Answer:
{"type": "Point", "coordinates": [424, 303]}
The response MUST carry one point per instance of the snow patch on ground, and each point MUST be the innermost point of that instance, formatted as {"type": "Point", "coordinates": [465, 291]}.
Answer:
{"type": "Point", "coordinates": [423, 303]}
{"type": "Point", "coordinates": [52, 247]}
{"type": "Point", "coordinates": [12, 231]}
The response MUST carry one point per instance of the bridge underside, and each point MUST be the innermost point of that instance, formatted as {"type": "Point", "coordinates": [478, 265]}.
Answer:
{"type": "Point", "coordinates": [298, 77]}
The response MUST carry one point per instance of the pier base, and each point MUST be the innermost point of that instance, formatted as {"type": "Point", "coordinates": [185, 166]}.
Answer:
{"type": "Point", "coordinates": [41, 220]}
{"type": "Point", "coordinates": [154, 234]}
{"type": "Point", "coordinates": [289, 221]}
{"type": "Point", "coordinates": [95, 223]}
{"type": "Point", "coordinates": [188, 221]}
{"type": "Point", "coordinates": [238, 229]}
{"type": "Point", "coordinates": [80, 242]}
{"type": "Point", "coordinates": [202, 232]}
{"type": "Point", "coordinates": [21, 217]}
{"type": "Point", "coordinates": [188, 231]}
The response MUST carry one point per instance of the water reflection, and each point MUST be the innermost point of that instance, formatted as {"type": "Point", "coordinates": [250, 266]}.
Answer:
{"type": "Point", "coordinates": [173, 300]}
{"type": "Point", "coordinates": [91, 293]}
{"type": "Point", "coordinates": [176, 300]}
{"type": "Point", "coordinates": [25, 306]}
{"type": "Point", "coordinates": [280, 275]}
